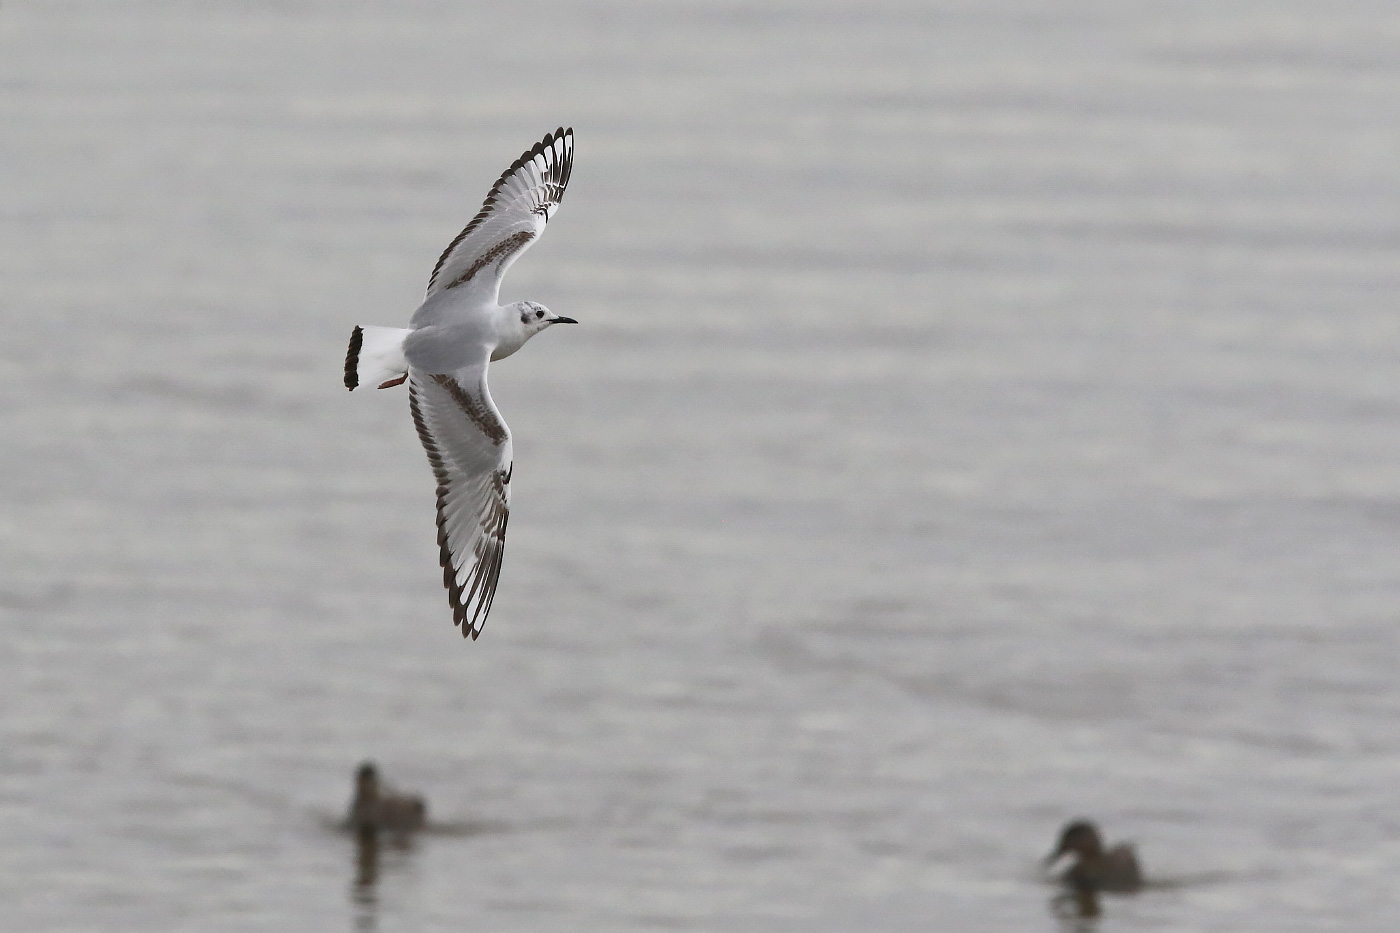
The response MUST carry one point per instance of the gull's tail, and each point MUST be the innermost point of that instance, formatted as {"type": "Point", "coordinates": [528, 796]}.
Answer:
{"type": "Point", "coordinates": [376, 356]}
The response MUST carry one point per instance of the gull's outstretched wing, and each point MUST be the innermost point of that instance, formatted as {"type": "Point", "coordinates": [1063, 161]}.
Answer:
{"type": "Point", "coordinates": [469, 448]}
{"type": "Point", "coordinates": [512, 217]}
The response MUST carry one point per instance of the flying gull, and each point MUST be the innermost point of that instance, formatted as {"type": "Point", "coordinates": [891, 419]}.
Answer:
{"type": "Point", "coordinates": [444, 354]}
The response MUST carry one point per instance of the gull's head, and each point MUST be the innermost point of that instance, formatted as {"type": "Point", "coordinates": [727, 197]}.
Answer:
{"type": "Point", "coordinates": [523, 320]}
{"type": "Point", "coordinates": [535, 317]}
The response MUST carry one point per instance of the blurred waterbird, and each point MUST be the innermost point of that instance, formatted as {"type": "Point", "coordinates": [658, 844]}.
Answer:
{"type": "Point", "coordinates": [379, 808]}
{"type": "Point", "coordinates": [1095, 869]}
{"type": "Point", "coordinates": [458, 330]}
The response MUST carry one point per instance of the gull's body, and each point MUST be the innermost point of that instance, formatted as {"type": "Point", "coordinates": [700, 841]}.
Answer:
{"type": "Point", "coordinates": [444, 354]}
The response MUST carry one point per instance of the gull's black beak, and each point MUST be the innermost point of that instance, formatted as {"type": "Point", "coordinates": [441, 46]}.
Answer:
{"type": "Point", "coordinates": [563, 320]}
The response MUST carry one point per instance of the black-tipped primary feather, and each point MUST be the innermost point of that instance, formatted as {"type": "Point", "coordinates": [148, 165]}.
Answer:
{"type": "Point", "coordinates": [512, 217]}
{"type": "Point", "coordinates": [468, 448]}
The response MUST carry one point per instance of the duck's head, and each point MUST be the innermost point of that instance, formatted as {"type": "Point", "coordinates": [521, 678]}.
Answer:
{"type": "Point", "coordinates": [366, 780]}
{"type": "Point", "coordinates": [1081, 838]}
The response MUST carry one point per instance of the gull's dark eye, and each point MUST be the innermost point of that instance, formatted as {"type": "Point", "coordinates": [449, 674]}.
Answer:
{"type": "Point", "coordinates": [539, 314]}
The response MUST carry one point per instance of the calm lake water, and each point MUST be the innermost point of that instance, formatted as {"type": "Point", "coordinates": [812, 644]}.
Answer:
{"type": "Point", "coordinates": [983, 414]}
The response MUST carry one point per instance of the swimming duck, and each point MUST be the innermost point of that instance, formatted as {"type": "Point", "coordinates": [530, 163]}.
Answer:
{"type": "Point", "coordinates": [1095, 869]}
{"type": "Point", "coordinates": [378, 808]}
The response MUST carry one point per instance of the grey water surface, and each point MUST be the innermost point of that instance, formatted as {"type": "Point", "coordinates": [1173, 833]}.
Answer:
{"type": "Point", "coordinates": [984, 413]}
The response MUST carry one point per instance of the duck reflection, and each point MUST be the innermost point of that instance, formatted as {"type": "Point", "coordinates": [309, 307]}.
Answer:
{"type": "Point", "coordinates": [1076, 908]}
{"type": "Point", "coordinates": [366, 869]}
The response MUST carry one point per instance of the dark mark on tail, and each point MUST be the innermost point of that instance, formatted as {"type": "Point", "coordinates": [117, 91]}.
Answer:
{"type": "Point", "coordinates": [352, 358]}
